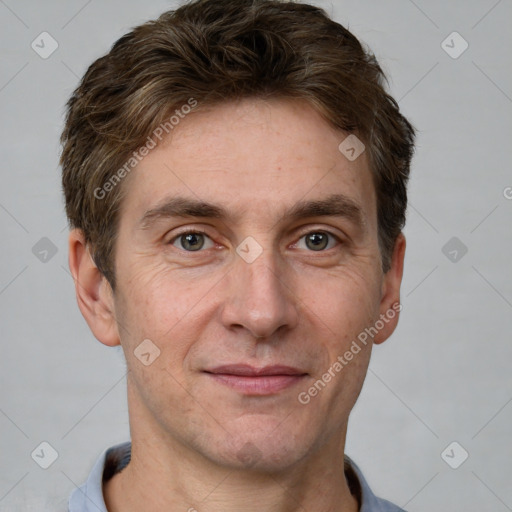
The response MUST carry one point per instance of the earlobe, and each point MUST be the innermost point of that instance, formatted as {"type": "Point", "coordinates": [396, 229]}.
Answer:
{"type": "Point", "coordinates": [93, 292]}
{"type": "Point", "coordinates": [390, 300]}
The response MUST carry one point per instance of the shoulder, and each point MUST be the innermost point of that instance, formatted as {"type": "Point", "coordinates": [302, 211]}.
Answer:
{"type": "Point", "coordinates": [359, 486]}
{"type": "Point", "coordinates": [89, 496]}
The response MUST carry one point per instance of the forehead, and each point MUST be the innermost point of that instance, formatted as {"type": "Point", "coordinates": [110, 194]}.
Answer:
{"type": "Point", "coordinates": [252, 157]}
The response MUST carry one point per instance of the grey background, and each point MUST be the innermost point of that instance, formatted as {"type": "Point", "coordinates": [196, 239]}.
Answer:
{"type": "Point", "coordinates": [445, 374]}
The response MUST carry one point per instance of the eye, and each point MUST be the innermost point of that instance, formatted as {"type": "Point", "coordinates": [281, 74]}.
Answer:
{"type": "Point", "coordinates": [318, 241]}
{"type": "Point", "coordinates": [192, 241]}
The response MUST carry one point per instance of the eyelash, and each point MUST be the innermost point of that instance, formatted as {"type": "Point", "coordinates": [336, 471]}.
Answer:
{"type": "Point", "coordinates": [323, 231]}
{"type": "Point", "coordinates": [188, 232]}
{"type": "Point", "coordinates": [200, 231]}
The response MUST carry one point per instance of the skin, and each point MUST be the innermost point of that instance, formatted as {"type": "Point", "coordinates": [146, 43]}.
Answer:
{"type": "Point", "coordinates": [197, 443]}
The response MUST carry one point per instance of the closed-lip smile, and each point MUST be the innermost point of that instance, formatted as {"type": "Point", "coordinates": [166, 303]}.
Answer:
{"type": "Point", "coordinates": [251, 380]}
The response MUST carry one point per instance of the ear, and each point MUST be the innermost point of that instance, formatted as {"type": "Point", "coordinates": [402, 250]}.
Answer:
{"type": "Point", "coordinates": [390, 299]}
{"type": "Point", "coordinates": [93, 292]}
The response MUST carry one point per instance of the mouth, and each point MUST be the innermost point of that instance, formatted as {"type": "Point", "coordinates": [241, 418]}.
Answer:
{"type": "Point", "coordinates": [249, 380]}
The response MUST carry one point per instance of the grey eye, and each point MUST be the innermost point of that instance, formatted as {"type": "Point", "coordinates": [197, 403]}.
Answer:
{"type": "Point", "coordinates": [317, 241]}
{"type": "Point", "coordinates": [191, 241]}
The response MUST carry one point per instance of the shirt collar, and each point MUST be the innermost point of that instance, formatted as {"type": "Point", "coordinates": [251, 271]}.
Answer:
{"type": "Point", "coordinates": [89, 496]}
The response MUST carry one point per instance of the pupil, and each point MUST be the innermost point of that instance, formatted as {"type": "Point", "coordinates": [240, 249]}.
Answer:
{"type": "Point", "coordinates": [193, 241]}
{"type": "Point", "coordinates": [316, 241]}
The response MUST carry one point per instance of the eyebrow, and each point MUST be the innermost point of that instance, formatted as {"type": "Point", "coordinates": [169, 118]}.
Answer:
{"type": "Point", "coordinates": [334, 205]}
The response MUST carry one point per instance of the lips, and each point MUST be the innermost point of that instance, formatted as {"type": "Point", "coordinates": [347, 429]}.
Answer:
{"type": "Point", "coordinates": [246, 370]}
{"type": "Point", "coordinates": [250, 380]}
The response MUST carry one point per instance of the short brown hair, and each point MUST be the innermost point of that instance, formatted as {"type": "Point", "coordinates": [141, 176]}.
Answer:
{"type": "Point", "coordinates": [216, 51]}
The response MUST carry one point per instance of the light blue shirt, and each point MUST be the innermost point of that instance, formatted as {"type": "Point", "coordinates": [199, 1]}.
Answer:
{"type": "Point", "coordinates": [89, 496]}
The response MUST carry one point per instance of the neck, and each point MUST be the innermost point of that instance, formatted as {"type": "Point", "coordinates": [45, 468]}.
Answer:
{"type": "Point", "coordinates": [164, 474]}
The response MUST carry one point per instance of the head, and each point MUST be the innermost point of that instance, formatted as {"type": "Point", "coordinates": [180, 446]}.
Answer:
{"type": "Point", "coordinates": [217, 212]}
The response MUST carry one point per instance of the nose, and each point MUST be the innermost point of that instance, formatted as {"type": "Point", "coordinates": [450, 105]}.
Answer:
{"type": "Point", "coordinates": [259, 297]}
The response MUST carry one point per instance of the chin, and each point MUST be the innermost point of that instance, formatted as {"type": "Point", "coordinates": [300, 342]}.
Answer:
{"type": "Point", "coordinates": [262, 459]}
{"type": "Point", "coordinates": [265, 450]}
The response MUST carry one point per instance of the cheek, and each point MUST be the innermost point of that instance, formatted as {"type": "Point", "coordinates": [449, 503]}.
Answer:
{"type": "Point", "coordinates": [339, 307]}
{"type": "Point", "coordinates": [151, 306]}
{"type": "Point", "coordinates": [155, 305]}
{"type": "Point", "coordinates": [346, 301]}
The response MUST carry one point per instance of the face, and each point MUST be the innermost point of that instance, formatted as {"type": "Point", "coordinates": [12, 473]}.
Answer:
{"type": "Point", "coordinates": [248, 254]}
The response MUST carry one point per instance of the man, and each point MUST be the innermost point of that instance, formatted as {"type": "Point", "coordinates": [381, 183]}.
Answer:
{"type": "Point", "coordinates": [235, 180]}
